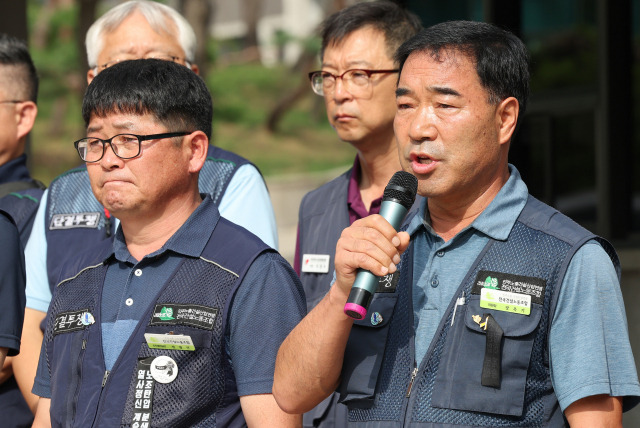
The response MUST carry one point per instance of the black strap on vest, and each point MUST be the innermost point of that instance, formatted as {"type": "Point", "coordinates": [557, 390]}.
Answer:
{"type": "Point", "coordinates": [492, 353]}
{"type": "Point", "coordinates": [16, 186]}
{"type": "Point", "coordinates": [143, 395]}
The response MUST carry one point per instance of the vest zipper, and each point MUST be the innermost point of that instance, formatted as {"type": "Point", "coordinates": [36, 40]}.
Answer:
{"type": "Point", "coordinates": [414, 373]}
{"type": "Point", "coordinates": [76, 377]}
{"type": "Point", "coordinates": [107, 222]}
{"type": "Point", "coordinates": [104, 382]}
{"type": "Point", "coordinates": [105, 377]}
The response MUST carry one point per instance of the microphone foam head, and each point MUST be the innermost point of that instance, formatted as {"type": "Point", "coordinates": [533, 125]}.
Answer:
{"type": "Point", "coordinates": [402, 189]}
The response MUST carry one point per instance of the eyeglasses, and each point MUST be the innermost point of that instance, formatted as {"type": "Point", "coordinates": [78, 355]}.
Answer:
{"type": "Point", "coordinates": [357, 82]}
{"type": "Point", "coordinates": [11, 102]}
{"type": "Point", "coordinates": [163, 57]}
{"type": "Point", "coordinates": [125, 146]}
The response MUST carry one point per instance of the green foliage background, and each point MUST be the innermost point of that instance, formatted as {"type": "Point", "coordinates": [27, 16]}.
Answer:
{"type": "Point", "coordinates": [243, 95]}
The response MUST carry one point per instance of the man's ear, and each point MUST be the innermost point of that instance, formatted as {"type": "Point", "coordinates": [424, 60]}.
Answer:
{"type": "Point", "coordinates": [197, 144]}
{"type": "Point", "coordinates": [91, 74]}
{"type": "Point", "coordinates": [195, 68]}
{"type": "Point", "coordinates": [507, 118]}
{"type": "Point", "coordinates": [26, 117]}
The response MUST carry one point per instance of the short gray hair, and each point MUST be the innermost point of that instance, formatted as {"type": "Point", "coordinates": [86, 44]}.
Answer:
{"type": "Point", "coordinates": [156, 15]}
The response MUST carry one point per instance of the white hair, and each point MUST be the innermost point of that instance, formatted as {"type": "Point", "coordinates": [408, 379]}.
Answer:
{"type": "Point", "coordinates": [156, 15]}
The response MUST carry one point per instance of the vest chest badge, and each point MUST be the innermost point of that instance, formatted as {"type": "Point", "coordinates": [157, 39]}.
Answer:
{"type": "Point", "coordinates": [179, 342]}
{"type": "Point", "coordinates": [315, 263]}
{"type": "Point", "coordinates": [388, 283]}
{"type": "Point", "coordinates": [87, 319]}
{"type": "Point", "coordinates": [509, 293]}
{"type": "Point", "coordinates": [192, 315]}
{"type": "Point", "coordinates": [66, 322]}
{"type": "Point", "coordinates": [376, 318]}
{"type": "Point", "coordinates": [164, 369]}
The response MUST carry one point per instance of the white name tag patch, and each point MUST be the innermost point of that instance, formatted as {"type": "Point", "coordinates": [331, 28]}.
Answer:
{"type": "Point", "coordinates": [179, 342]}
{"type": "Point", "coordinates": [506, 301]}
{"type": "Point", "coordinates": [315, 263]}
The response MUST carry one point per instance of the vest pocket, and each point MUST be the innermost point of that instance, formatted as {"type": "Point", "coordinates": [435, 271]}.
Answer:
{"type": "Point", "coordinates": [66, 386]}
{"type": "Point", "coordinates": [365, 351]}
{"type": "Point", "coordinates": [458, 379]}
{"type": "Point", "coordinates": [189, 397]}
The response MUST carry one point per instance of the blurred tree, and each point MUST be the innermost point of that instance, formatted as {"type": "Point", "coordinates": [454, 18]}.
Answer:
{"type": "Point", "coordinates": [304, 64]}
{"type": "Point", "coordinates": [251, 14]}
{"type": "Point", "coordinates": [86, 16]}
{"type": "Point", "coordinates": [199, 13]}
{"type": "Point", "coordinates": [13, 19]}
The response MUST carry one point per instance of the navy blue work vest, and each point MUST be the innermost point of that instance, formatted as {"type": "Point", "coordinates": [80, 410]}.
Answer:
{"type": "Point", "coordinates": [323, 215]}
{"type": "Point", "coordinates": [204, 392]}
{"type": "Point", "coordinates": [76, 221]}
{"type": "Point", "coordinates": [447, 390]}
{"type": "Point", "coordinates": [20, 195]}
{"type": "Point", "coordinates": [22, 206]}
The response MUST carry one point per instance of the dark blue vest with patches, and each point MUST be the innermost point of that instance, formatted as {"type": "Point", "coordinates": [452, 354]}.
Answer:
{"type": "Point", "coordinates": [76, 221]}
{"type": "Point", "coordinates": [22, 206]}
{"type": "Point", "coordinates": [19, 200]}
{"type": "Point", "coordinates": [20, 195]}
{"type": "Point", "coordinates": [323, 215]}
{"type": "Point", "coordinates": [447, 390]}
{"type": "Point", "coordinates": [204, 392]}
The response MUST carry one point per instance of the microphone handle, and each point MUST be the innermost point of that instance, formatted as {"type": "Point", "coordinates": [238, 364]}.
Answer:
{"type": "Point", "coordinates": [366, 283]}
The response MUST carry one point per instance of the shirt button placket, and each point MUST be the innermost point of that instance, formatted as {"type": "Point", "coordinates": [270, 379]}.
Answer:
{"type": "Point", "coordinates": [434, 281]}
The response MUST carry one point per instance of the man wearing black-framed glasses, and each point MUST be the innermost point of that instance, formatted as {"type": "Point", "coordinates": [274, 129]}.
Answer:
{"type": "Point", "coordinates": [131, 30]}
{"type": "Point", "coordinates": [160, 325]}
{"type": "Point", "coordinates": [357, 80]}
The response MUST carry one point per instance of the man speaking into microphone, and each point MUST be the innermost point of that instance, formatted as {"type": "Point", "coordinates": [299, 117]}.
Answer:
{"type": "Point", "coordinates": [506, 312]}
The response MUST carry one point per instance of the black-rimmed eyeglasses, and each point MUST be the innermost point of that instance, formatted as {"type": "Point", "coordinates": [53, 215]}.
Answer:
{"type": "Point", "coordinates": [125, 146]}
{"type": "Point", "coordinates": [357, 81]}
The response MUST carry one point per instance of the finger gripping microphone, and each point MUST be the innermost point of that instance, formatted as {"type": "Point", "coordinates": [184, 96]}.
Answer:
{"type": "Point", "coordinates": [398, 197]}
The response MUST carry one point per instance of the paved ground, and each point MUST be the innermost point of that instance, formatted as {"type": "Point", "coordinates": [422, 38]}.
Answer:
{"type": "Point", "coordinates": [287, 192]}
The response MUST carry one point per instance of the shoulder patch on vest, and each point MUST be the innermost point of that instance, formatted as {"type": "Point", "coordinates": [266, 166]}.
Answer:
{"type": "Point", "coordinates": [75, 220]}
{"type": "Point", "coordinates": [531, 286]}
{"type": "Point", "coordinates": [194, 315]}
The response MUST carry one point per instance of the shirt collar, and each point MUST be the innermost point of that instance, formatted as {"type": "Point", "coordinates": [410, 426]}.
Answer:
{"type": "Point", "coordinates": [189, 240]}
{"type": "Point", "coordinates": [15, 170]}
{"type": "Point", "coordinates": [357, 209]}
{"type": "Point", "coordinates": [497, 220]}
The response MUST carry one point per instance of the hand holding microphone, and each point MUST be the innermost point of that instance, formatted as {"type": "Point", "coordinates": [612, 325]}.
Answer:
{"type": "Point", "coordinates": [398, 197]}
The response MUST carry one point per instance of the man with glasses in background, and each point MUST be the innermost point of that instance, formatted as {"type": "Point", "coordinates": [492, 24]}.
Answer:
{"type": "Point", "coordinates": [358, 82]}
{"type": "Point", "coordinates": [158, 327]}
{"type": "Point", "coordinates": [71, 220]}
{"type": "Point", "coordinates": [19, 192]}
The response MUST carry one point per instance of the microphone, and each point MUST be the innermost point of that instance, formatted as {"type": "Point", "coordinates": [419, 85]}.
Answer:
{"type": "Point", "coordinates": [398, 197]}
